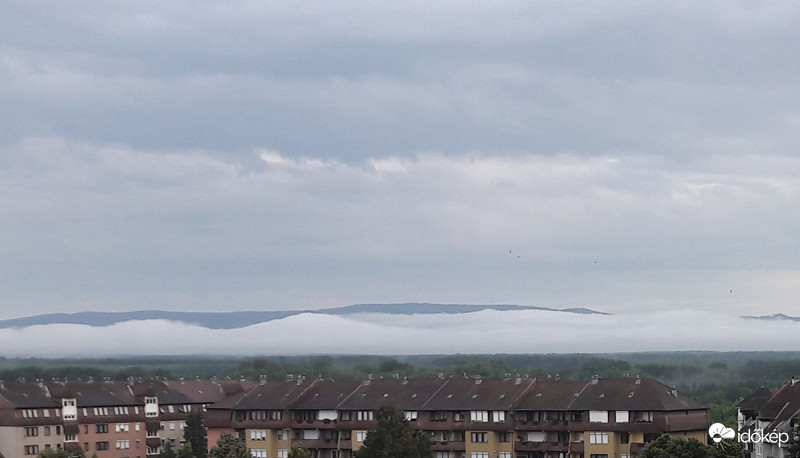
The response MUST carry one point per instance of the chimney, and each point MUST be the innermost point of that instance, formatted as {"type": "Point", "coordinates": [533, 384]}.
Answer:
{"type": "Point", "coordinates": [674, 391]}
{"type": "Point", "coordinates": [289, 377]}
{"type": "Point", "coordinates": [638, 379]}
{"type": "Point", "coordinates": [794, 381]}
{"type": "Point", "coordinates": [595, 379]}
{"type": "Point", "coordinates": [262, 379]}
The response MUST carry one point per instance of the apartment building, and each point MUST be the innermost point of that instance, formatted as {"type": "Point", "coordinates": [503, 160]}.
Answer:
{"type": "Point", "coordinates": [465, 417]}
{"type": "Point", "coordinates": [30, 420]}
{"type": "Point", "coordinates": [767, 414]}
{"type": "Point", "coordinates": [109, 419]}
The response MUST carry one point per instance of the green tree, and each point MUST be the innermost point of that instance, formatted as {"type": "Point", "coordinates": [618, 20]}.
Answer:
{"type": "Point", "coordinates": [195, 434]}
{"type": "Point", "coordinates": [59, 453]}
{"type": "Point", "coordinates": [676, 447]}
{"type": "Point", "coordinates": [167, 451]}
{"type": "Point", "coordinates": [300, 452]}
{"type": "Point", "coordinates": [394, 437]}
{"type": "Point", "coordinates": [794, 448]}
{"type": "Point", "coordinates": [229, 446]}
{"type": "Point", "coordinates": [186, 451]}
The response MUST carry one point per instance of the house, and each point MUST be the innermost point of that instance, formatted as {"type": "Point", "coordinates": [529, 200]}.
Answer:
{"type": "Point", "coordinates": [767, 414]}
{"type": "Point", "coordinates": [465, 417]}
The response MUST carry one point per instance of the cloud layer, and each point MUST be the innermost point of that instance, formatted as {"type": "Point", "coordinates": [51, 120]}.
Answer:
{"type": "Point", "coordinates": [480, 332]}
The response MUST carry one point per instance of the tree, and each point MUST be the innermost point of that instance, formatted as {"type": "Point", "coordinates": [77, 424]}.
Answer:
{"type": "Point", "coordinates": [167, 451]}
{"type": "Point", "coordinates": [195, 434]}
{"type": "Point", "coordinates": [300, 452]}
{"type": "Point", "coordinates": [229, 446]}
{"type": "Point", "coordinates": [667, 446]}
{"type": "Point", "coordinates": [59, 453]}
{"type": "Point", "coordinates": [394, 437]}
{"type": "Point", "coordinates": [186, 451]}
{"type": "Point", "coordinates": [794, 448]}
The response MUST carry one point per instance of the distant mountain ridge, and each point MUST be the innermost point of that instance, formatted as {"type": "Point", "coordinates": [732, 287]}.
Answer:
{"type": "Point", "coordinates": [773, 317]}
{"type": "Point", "coordinates": [240, 319]}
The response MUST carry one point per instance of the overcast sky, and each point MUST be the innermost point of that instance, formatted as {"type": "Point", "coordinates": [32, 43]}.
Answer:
{"type": "Point", "coordinates": [624, 156]}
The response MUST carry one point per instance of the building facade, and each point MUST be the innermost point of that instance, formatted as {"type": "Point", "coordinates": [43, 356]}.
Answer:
{"type": "Point", "coordinates": [109, 419]}
{"type": "Point", "coordinates": [464, 417]}
{"type": "Point", "coordinates": [767, 414]}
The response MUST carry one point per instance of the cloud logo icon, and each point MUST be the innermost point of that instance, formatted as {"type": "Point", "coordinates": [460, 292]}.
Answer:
{"type": "Point", "coordinates": [718, 431]}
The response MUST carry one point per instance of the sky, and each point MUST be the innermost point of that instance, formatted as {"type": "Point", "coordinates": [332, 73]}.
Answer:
{"type": "Point", "coordinates": [630, 157]}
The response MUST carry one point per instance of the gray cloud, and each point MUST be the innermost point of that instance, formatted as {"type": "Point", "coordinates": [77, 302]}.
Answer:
{"type": "Point", "coordinates": [252, 156]}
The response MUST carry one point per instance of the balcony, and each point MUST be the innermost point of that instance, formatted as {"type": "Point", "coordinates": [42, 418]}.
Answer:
{"type": "Point", "coordinates": [548, 446]}
{"type": "Point", "coordinates": [637, 448]}
{"type": "Point", "coordinates": [445, 446]}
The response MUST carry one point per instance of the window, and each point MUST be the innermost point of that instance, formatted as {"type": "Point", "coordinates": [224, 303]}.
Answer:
{"type": "Point", "coordinates": [258, 452]}
{"type": "Point", "coordinates": [598, 455]}
{"type": "Point", "coordinates": [622, 416]}
{"type": "Point", "coordinates": [46, 430]}
{"type": "Point", "coordinates": [172, 426]}
{"type": "Point", "coordinates": [101, 445]}
{"type": "Point", "coordinates": [479, 438]}
{"type": "Point", "coordinates": [458, 416]}
{"type": "Point", "coordinates": [258, 434]}
{"type": "Point", "coordinates": [277, 415]}
{"type": "Point", "coordinates": [598, 416]}
{"type": "Point", "coordinates": [31, 449]}
{"type": "Point", "coordinates": [346, 415]}
{"type": "Point", "coordinates": [280, 435]}
{"type": "Point", "coordinates": [625, 455]}
{"type": "Point", "coordinates": [598, 438]}
{"type": "Point", "coordinates": [360, 436]}
{"type": "Point", "coordinates": [624, 438]}
{"type": "Point", "coordinates": [283, 453]}
{"type": "Point", "coordinates": [479, 455]}
{"type": "Point", "coordinates": [411, 416]}
{"type": "Point", "coordinates": [171, 409]}
{"type": "Point", "coordinates": [650, 437]}
{"type": "Point", "coordinates": [479, 415]}
{"type": "Point", "coordinates": [503, 454]}
{"type": "Point", "coordinates": [123, 445]}
{"type": "Point", "coordinates": [365, 415]}
{"type": "Point", "coordinates": [122, 427]}
{"type": "Point", "coordinates": [101, 411]}
{"type": "Point", "coordinates": [504, 437]}
{"type": "Point", "coordinates": [30, 413]}
{"type": "Point", "coordinates": [643, 417]}
{"type": "Point", "coordinates": [444, 455]}
{"type": "Point", "coordinates": [31, 431]}
{"type": "Point", "coordinates": [438, 415]}
{"type": "Point", "coordinates": [58, 430]}
{"type": "Point", "coordinates": [101, 428]}
{"type": "Point", "coordinates": [70, 438]}
{"type": "Point", "coordinates": [498, 416]}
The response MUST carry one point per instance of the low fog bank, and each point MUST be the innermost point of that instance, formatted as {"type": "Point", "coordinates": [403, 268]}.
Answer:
{"type": "Point", "coordinates": [529, 331]}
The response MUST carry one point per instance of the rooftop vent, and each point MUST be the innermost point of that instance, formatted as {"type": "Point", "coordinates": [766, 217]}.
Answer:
{"type": "Point", "coordinates": [638, 379]}
{"type": "Point", "coordinates": [595, 379]}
